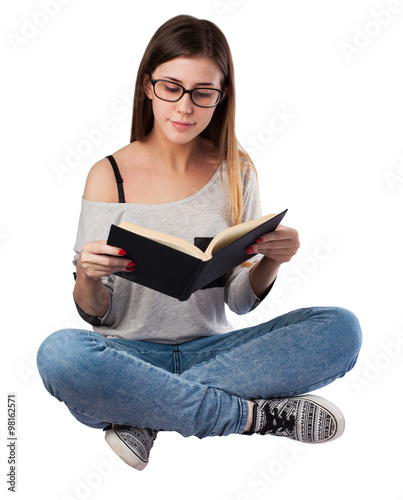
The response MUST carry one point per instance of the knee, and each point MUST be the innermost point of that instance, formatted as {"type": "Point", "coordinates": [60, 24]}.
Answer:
{"type": "Point", "coordinates": [56, 355]}
{"type": "Point", "coordinates": [52, 348]}
{"type": "Point", "coordinates": [349, 335]}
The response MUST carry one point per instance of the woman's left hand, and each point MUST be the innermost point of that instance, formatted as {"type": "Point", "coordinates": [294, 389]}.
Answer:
{"type": "Point", "coordinates": [279, 245]}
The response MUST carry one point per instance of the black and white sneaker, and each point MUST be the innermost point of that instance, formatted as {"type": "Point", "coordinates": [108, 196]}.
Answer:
{"type": "Point", "coordinates": [309, 419]}
{"type": "Point", "coordinates": [131, 444]}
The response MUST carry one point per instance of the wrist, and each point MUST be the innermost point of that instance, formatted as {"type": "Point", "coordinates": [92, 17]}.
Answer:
{"type": "Point", "coordinates": [90, 294]}
{"type": "Point", "coordinates": [263, 274]}
{"type": "Point", "coordinates": [268, 266]}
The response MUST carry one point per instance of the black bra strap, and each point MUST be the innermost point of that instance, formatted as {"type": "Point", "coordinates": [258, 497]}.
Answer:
{"type": "Point", "coordinates": [119, 180]}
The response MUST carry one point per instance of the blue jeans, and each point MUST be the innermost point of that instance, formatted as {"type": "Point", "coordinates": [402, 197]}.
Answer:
{"type": "Point", "coordinates": [198, 388]}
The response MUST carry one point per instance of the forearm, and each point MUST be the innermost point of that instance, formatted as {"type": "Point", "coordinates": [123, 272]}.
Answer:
{"type": "Point", "coordinates": [91, 296]}
{"type": "Point", "coordinates": [263, 274]}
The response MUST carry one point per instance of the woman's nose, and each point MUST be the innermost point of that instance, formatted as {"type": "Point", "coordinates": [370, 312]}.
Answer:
{"type": "Point", "coordinates": [185, 104]}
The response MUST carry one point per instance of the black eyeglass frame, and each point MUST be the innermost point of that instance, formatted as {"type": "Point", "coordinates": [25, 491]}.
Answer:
{"type": "Point", "coordinates": [186, 91]}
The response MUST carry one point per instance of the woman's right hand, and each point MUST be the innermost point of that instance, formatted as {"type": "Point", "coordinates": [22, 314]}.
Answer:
{"type": "Point", "coordinates": [97, 259]}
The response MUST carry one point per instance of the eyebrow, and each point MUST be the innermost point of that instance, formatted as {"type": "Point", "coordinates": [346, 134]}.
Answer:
{"type": "Point", "coordinates": [180, 81]}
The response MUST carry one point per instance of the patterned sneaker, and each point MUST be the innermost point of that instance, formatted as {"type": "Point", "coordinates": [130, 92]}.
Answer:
{"type": "Point", "coordinates": [310, 419]}
{"type": "Point", "coordinates": [131, 444]}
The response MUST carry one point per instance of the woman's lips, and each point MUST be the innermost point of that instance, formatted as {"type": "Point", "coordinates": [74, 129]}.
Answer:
{"type": "Point", "coordinates": [182, 125]}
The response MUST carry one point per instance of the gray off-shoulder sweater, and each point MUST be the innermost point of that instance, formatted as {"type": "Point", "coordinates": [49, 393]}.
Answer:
{"type": "Point", "coordinates": [139, 313]}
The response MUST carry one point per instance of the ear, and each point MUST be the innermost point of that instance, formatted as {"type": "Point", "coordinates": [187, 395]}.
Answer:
{"type": "Point", "coordinates": [148, 88]}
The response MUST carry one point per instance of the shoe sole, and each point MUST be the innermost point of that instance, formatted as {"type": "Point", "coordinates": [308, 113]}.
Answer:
{"type": "Point", "coordinates": [330, 408]}
{"type": "Point", "coordinates": [123, 451]}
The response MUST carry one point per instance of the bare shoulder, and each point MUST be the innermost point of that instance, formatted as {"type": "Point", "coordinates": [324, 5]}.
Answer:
{"type": "Point", "coordinates": [101, 183]}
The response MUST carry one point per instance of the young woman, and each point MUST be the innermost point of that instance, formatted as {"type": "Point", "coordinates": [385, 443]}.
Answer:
{"type": "Point", "coordinates": [151, 362]}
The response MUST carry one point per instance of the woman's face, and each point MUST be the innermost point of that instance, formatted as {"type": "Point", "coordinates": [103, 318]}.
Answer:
{"type": "Point", "coordinates": [181, 121]}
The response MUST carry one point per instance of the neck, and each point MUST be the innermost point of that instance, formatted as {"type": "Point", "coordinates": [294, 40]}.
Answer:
{"type": "Point", "coordinates": [176, 158]}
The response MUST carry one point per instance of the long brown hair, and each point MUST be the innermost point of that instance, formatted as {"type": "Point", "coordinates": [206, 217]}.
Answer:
{"type": "Point", "coordinates": [187, 36]}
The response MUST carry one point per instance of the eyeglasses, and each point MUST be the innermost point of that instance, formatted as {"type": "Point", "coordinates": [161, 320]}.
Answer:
{"type": "Point", "coordinates": [173, 92]}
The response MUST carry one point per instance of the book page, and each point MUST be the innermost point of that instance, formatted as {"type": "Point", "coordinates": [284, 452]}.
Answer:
{"type": "Point", "coordinates": [233, 233]}
{"type": "Point", "coordinates": [165, 239]}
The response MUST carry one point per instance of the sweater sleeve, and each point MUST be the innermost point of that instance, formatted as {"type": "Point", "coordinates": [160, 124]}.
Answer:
{"type": "Point", "coordinates": [239, 295]}
{"type": "Point", "coordinates": [91, 227]}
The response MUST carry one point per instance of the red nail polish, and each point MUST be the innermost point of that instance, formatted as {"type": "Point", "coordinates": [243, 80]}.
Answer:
{"type": "Point", "coordinates": [259, 240]}
{"type": "Point", "coordinates": [130, 268]}
{"type": "Point", "coordinates": [131, 264]}
{"type": "Point", "coordinates": [122, 252]}
{"type": "Point", "coordinates": [250, 250]}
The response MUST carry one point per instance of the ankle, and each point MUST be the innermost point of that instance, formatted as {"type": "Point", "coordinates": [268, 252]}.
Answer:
{"type": "Point", "coordinates": [249, 420]}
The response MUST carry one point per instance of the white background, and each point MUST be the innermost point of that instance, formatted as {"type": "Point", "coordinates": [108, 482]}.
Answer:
{"type": "Point", "coordinates": [337, 165]}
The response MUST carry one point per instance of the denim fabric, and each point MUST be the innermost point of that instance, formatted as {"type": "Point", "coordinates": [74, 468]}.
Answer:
{"type": "Point", "coordinates": [200, 387]}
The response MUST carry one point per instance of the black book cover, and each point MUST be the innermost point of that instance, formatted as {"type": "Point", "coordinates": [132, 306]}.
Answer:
{"type": "Point", "coordinates": [158, 266]}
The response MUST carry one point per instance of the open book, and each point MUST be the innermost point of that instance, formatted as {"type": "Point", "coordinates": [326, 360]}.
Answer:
{"type": "Point", "coordinates": [177, 268]}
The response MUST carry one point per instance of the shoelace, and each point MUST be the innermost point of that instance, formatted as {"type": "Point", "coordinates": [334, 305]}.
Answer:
{"type": "Point", "coordinates": [276, 422]}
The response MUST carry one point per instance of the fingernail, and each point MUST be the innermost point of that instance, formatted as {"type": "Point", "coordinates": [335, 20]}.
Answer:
{"type": "Point", "coordinates": [131, 264]}
{"type": "Point", "coordinates": [122, 252]}
{"type": "Point", "coordinates": [250, 250]}
{"type": "Point", "coordinates": [130, 268]}
{"type": "Point", "coordinates": [259, 240]}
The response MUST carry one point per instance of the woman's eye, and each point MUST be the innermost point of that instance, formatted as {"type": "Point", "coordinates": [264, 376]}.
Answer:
{"type": "Point", "coordinates": [200, 94]}
{"type": "Point", "coordinates": [171, 90]}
